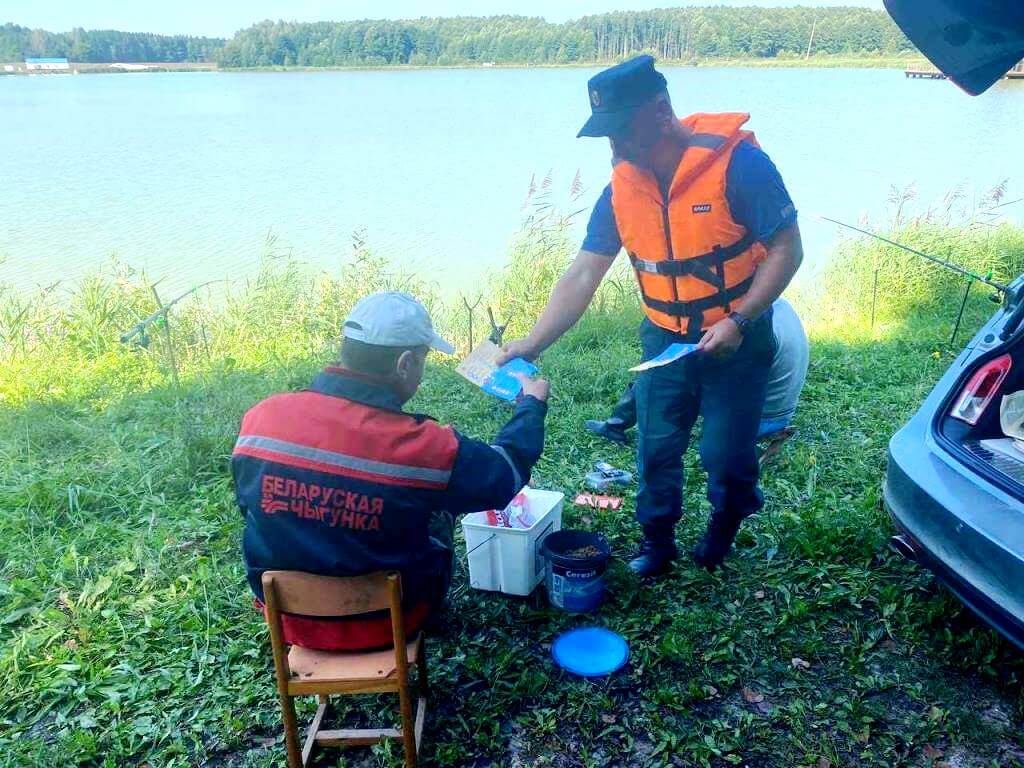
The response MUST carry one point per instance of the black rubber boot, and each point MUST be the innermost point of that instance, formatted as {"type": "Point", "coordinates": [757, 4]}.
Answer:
{"type": "Point", "coordinates": [655, 556]}
{"type": "Point", "coordinates": [717, 540]}
{"type": "Point", "coordinates": [609, 430]}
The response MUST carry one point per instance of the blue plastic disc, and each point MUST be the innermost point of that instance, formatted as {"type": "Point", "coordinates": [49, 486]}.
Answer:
{"type": "Point", "coordinates": [590, 652]}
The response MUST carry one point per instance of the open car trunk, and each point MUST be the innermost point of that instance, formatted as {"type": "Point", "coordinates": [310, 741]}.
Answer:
{"type": "Point", "coordinates": [968, 426]}
{"type": "Point", "coordinates": [974, 42]}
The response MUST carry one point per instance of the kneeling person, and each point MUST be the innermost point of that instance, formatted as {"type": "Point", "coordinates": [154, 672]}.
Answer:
{"type": "Point", "coordinates": [785, 383]}
{"type": "Point", "coordinates": [338, 480]}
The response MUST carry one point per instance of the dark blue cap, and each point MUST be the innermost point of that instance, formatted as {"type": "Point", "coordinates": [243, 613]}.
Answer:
{"type": "Point", "coordinates": [616, 92]}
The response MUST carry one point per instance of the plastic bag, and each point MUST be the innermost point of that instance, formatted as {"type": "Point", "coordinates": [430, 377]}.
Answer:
{"type": "Point", "coordinates": [515, 515]}
{"type": "Point", "coordinates": [1011, 415]}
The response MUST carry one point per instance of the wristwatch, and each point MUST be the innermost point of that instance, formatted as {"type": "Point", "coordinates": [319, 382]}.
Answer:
{"type": "Point", "coordinates": [742, 322]}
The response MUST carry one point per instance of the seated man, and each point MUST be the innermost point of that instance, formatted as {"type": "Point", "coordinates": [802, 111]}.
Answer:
{"type": "Point", "coordinates": [785, 382]}
{"type": "Point", "coordinates": [338, 480]}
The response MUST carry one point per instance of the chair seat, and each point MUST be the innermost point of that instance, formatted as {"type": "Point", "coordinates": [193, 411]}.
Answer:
{"type": "Point", "coordinates": [310, 666]}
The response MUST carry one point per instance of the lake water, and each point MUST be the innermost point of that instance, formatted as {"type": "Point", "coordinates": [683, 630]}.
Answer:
{"type": "Point", "coordinates": [185, 174]}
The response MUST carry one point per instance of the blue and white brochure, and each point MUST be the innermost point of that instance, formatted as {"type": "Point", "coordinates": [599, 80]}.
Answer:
{"type": "Point", "coordinates": [672, 353]}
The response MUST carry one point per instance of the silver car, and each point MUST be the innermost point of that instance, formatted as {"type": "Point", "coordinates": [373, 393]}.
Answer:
{"type": "Point", "coordinates": [958, 504]}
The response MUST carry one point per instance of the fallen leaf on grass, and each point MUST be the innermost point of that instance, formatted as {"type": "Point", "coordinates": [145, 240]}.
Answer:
{"type": "Point", "coordinates": [711, 691]}
{"type": "Point", "coordinates": [931, 752]}
{"type": "Point", "coordinates": [586, 519]}
{"type": "Point", "coordinates": [267, 742]}
{"type": "Point", "coordinates": [71, 644]}
{"type": "Point", "coordinates": [751, 696]}
{"type": "Point", "coordinates": [799, 663]}
{"type": "Point", "coordinates": [608, 719]}
{"type": "Point", "coordinates": [759, 594]}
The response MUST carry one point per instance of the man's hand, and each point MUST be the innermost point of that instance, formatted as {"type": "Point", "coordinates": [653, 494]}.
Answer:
{"type": "Point", "coordinates": [518, 348]}
{"type": "Point", "coordinates": [722, 339]}
{"type": "Point", "coordinates": [538, 388]}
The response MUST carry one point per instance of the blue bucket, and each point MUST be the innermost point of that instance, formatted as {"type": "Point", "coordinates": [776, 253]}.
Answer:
{"type": "Point", "coordinates": [577, 561]}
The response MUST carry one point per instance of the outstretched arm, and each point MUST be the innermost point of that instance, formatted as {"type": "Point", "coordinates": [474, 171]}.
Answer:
{"type": "Point", "coordinates": [569, 300]}
{"type": "Point", "coordinates": [488, 476]}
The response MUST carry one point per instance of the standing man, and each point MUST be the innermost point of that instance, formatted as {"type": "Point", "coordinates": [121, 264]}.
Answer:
{"type": "Point", "coordinates": [712, 235]}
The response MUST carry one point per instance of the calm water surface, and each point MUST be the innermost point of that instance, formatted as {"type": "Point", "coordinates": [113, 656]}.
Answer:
{"type": "Point", "coordinates": [185, 174]}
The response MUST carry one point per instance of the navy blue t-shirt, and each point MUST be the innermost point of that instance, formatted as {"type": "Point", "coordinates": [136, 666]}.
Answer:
{"type": "Point", "coordinates": [753, 187]}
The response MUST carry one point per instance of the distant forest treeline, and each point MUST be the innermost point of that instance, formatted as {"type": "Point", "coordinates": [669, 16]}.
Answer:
{"type": "Point", "coordinates": [104, 45]}
{"type": "Point", "coordinates": [680, 34]}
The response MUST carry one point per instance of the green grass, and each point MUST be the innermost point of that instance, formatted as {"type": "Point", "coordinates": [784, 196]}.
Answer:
{"type": "Point", "coordinates": [830, 61]}
{"type": "Point", "coordinates": [127, 635]}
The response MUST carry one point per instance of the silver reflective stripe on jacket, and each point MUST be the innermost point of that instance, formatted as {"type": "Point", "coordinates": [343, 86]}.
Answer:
{"type": "Point", "coordinates": [344, 461]}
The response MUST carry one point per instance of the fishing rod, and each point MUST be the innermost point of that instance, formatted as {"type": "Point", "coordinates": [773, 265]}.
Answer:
{"type": "Point", "coordinates": [139, 329]}
{"type": "Point", "coordinates": [1007, 292]}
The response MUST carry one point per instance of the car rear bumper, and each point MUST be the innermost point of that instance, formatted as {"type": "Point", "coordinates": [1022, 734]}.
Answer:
{"type": "Point", "coordinates": [969, 535]}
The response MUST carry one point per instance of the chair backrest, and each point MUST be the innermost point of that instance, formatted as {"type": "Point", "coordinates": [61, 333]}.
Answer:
{"type": "Point", "coordinates": [311, 595]}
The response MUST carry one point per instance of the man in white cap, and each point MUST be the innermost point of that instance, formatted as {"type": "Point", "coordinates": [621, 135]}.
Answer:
{"type": "Point", "coordinates": [338, 480]}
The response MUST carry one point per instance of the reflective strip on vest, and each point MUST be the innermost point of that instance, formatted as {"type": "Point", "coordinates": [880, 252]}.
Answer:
{"type": "Point", "coordinates": [343, 461]}
{"type": "Point", "coordinates": [698, 266]}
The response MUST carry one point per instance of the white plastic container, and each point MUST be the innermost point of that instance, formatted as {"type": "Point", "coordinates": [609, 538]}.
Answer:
{"type": "Point", "coordinates": [509, 560]}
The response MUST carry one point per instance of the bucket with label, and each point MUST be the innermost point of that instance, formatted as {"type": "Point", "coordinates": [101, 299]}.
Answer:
{"type": "Point", "coordinates": [577, 561]}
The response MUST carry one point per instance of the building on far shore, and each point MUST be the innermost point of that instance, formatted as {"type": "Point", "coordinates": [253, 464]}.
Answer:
{"type": "Point", "coordinates": [47, 65]}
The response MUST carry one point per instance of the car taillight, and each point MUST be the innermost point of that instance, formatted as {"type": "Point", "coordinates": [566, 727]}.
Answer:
{"type": "Point", "coordinates": [981, 389]}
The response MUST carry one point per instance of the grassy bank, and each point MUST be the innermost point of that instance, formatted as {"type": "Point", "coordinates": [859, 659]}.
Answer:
{"type": "Point", "coordinates": [794, 62]}
{"type": "Point", "coordinates": [791, 62]}
{"type": "Point", "coordinates": [88, 68]}
{"type": "Point", "coordinates": [127, 635]}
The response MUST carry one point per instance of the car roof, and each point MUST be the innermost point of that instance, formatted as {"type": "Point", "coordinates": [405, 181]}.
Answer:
{"type": "Point", "coordinates": [974, 42]}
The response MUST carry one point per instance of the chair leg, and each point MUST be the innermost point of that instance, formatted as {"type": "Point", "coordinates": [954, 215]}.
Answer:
{"type": "Point", "coordinates": [421, 665]}
{"type": "Point", "coordinates": [314, 729]}
{"type": "Point", "coordinates": [291, 732]}
{"type": "Point", "coordinates": [408, 726]}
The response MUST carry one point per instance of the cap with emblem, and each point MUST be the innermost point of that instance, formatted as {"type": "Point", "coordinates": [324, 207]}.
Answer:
{"type": "Point", "coordinates": [393, 319]}
{"type": "Point", "coordinates": [616, 92]}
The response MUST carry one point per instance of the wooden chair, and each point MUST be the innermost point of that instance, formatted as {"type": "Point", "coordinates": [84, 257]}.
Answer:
{"type": "Point", "coordinates": [302, 672]}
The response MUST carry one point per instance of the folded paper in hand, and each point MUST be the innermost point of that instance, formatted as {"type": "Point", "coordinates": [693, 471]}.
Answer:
{"type": "Point", "coordinates": [672, 353]}
{"type": "Point", "coordinates": [481, 368]}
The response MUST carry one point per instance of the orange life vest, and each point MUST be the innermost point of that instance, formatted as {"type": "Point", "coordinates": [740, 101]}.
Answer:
{"type": "Point", "coordinates": [692, 259]}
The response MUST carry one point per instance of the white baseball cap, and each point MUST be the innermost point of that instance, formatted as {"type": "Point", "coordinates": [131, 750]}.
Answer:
{"type": "Point", "coordinates": [393, 319]}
